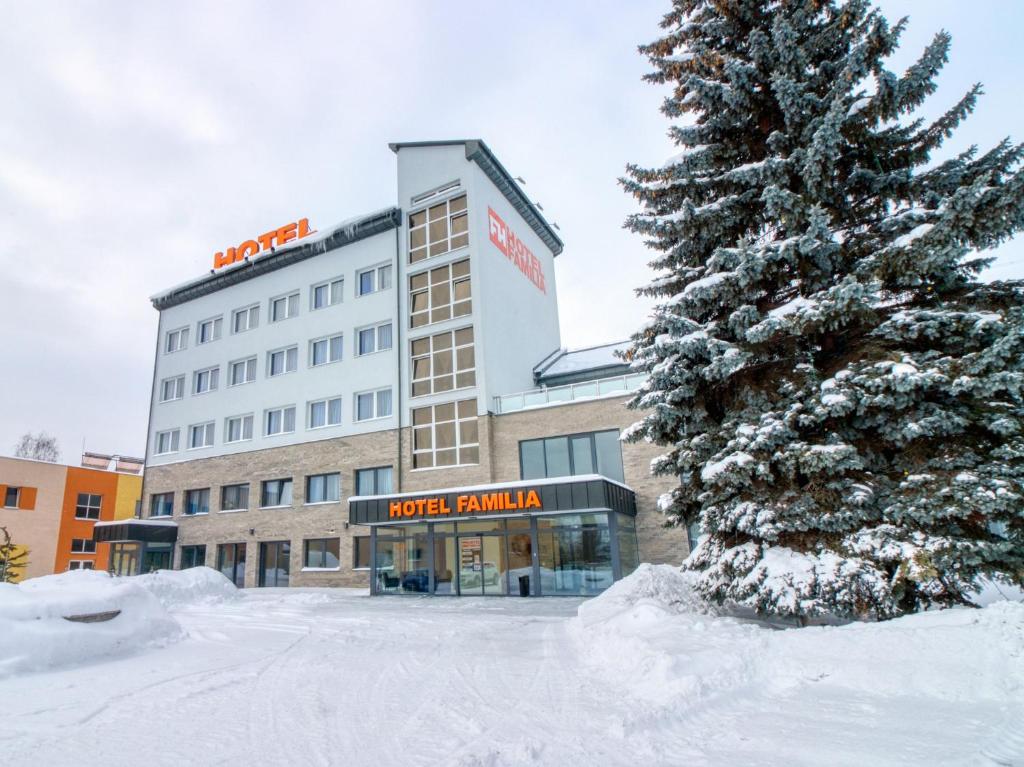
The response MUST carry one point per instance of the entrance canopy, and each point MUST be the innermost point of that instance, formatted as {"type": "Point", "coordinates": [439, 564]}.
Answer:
{"type": "Point", "coordinates": [139, 530]}
{"type": "Point", "coordinates": [590, 492]}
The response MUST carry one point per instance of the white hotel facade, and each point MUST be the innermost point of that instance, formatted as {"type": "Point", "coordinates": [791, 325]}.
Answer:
{"type": "Point", "coordinates": [411, 354]}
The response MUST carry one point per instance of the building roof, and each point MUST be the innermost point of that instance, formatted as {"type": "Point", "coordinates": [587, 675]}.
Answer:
{"type": "Point", "coordinates": [574, 365]}
{"type": "Point", "coordinates": [477, 151]}
{"type": "Point", "coordinates": [333, 237]}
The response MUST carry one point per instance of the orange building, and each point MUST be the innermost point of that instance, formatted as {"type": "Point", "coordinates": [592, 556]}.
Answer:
{"type": "Point", "coordinates": [50, 509]}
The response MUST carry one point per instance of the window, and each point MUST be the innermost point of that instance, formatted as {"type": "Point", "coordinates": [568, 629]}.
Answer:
{"type": "Point", "coordinates": [209, 330]}
{"type": "Point", "coordinates": [11, 497]}
{"type": "Point", "coordinates": [373, 280]}
{"type": "Point", "coordinates": [176, 340]}
{"type": "Point", "coordinates": [200, 435]}
{"type": "Point", "coordinates": [284, 307]}
{"type": "Point", "coordinates": [326, 294]}
{"type": "Point", "coordinates": [205, 380]}
{"type": "Point", "coordinates": [373, 404]}
{"type": "Point", "coordinates": [238, 428]}
{"type": "Point", "coordinates": [167, 441]}
{"type": "Point", "coordinates": [443, 362]}
{"type": "Point", "coordinates": [375, 481]}
{"type": "Point", "coordinates": [323, 488]}
{"type": "Point", "coordinates": [192, 556]}
{"type": "Point", "coordinates": [245, 319]}
{"type": "Point", "coordinates": [242, 372]}
{"type": "Point", "coordinates": [282, 361]}
{"type": "Point", "coordinates": [373, 339]}
{"type": "Point", "coordinates": [322, 553]}
{"type": "Point", "coordinates": [325, 412]}
{"type": "Point", "coordinates": [161, 504]}
{"type": "Point", "coordinates": [280, 420]}
{"type": "Point", "coordinates": [596, 452]}
{"type": "Point", "coordinates": [172, 388]}
{"type": "Point", "coordinates": [445, 435]}
{"type": "Point", "coordinates": [80, 564]}
{"type": "Point", "coordinates": [234, 497]}
{"type": "Point", "coordinates": [88, 506]}
{"type": "Point", "coordinates": [83, 546]}
{"type": "Point", "coordinates": [360, 552]}
{"type": "Point", "coordinates": [276, 492]}
{"type": "Point", "coordinates": [438, 229]}
{"type": "Point", "coordinates": [325, 350]}
{"type": "Point", "coordinates": [440, 294]}
{"type": "Point", "coordinates": [197, 501]}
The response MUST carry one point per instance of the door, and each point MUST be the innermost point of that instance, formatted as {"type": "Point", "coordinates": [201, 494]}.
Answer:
{"type": "Point", "coordinates": [482, 565]}
{"type": "Point", "coordinates": [231, 562]}
{"type": "Point", "coordinates": [275, 565]}
{"type": "Point", "coordinates": [156, 557]}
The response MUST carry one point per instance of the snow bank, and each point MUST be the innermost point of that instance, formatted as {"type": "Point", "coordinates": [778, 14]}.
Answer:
{"type": "Point", "coordinates": [197, 585]}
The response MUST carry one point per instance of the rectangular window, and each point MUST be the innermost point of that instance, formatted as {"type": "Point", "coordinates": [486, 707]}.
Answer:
{"type": "Point", "coordinates": [83, 546]}
{"type": "Point", "coordinates": [282, 361]}
{"type": "Point", "coordinates": [192, 556]}
{"type": "Point", "coordinates": [172, 388]}
{"type": "Point", "coordinates": [245, 319]}
{"type": "Point", "coordinates": [323, 488]}
{"type": "Point", "coordinates": [242, 372]}
{"type": "Point", "coordinates": [596, 452]}
{"type": "Point", "coordinates": [176, 340]}
{"type": "Point", "coordinates": [438, 229]}
{"type": "Point", "coordinates": [445, 435]}
{"type": "Point", "coordinates": [238, 428]}
{"type": "Point", "coordinates": [326, 294]}
{"type": "Point", "coordinates": [88, 506]}
{"type": "Point", "coordinates": [376, 481]}
{"type": "Point", "coordinates": [209, 330]}
{"type": "Point", "coordinates": [200, 435]}
{"type": "Point", "coordinates": [161, 504]}
{"type": "Point", "coordinates": [323, 351]}
{"type": "Point", "coordinates": [234, 497]}
{"type": "Point", "coordinates": [443, 362]}
{"type": "Point", "coordinates": [360, 552]}
{"type": "Point", "coordinates": [197, 501]}
{"type": "Point", "coordinates": [325, 412]}
{"type": "Point", "coordinates": [374, 280]}
{"type": "Point", "coordinates": [322, 553]}
{"type": "Point", "coordinates": [284, 308]}
{"type": "Point", "coordinates": [77, 564]}
{"type": "Point", "coordinates": [206, 380]}
{"type": "Point", "coordinates": [440, 294]}
{"type": "Point", "coordinates": [373, 404]}
{"type": "Point", "coordinates": [373, 339]}
{"type": "Point", "coordinates": [167, 441]}
{"type": "Point", "coordinates": [11, 497]}
{"type": "Point", "coordinates": [280, 420]}
{"type": "Point", "coordinates": [276, 492]}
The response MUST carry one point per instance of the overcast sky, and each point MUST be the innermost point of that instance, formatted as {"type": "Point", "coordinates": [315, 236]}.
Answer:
{"type": "Point", "coordinates": [138, 138]}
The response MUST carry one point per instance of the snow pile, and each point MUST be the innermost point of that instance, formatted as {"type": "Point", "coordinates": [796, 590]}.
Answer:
{"type": "Point", "coordinates": [35, 635]}
{"type": "Point", "coordinates": [197, 585]}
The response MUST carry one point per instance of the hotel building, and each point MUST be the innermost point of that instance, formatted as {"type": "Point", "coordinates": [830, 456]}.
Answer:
{"type": "Point", "coordinates": [387, 402]}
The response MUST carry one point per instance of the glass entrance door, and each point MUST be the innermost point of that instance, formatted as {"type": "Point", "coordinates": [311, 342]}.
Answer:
{"type": "Point", "coordinates": [124, 558]}
{"type": "Point", "coordinates": [483, 565]}
{"type": "Point", "coordinates": [274, 563]}
{"type": "Point", "coordinates": [231, 562]}
{"type": "Point", "coordinates": [157, 556]}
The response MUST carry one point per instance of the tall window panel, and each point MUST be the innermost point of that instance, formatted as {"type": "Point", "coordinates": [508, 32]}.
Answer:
{"type": "Point", "coordinates": [443, 362]}
{"type": "Point", "coordinates": [445, 435]}
{"type": "Point", "coordinates": [438, 229]}
{"type": "Point", "coordinates": [440, 294]}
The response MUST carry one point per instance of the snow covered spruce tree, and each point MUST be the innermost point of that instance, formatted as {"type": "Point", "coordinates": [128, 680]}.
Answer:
{"type": "Point", "coordinates": [842, 400]}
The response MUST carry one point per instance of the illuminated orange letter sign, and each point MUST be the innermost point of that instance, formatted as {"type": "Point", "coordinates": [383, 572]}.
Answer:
{"type": "Point", "coordinates": [266, 241]}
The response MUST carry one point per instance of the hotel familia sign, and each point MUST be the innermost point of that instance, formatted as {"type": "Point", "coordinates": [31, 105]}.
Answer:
{"type": "Point", "coordinates": [515, 250]}
{"type": "Point", "coordinates": [266, 241]}
{"type": "Point", "coordinates": [469, 503]}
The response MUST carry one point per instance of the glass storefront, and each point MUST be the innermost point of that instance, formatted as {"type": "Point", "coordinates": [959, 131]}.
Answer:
{"type": "Point", "coordinates": [541, 555]}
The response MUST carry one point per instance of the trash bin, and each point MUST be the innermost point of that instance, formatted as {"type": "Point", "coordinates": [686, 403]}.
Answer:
{"type": "Point", "coordinates": [524, 585]}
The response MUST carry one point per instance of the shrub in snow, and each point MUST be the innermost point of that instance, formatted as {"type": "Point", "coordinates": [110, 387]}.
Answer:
{"type": "Point", "coordinates": [842, 400]}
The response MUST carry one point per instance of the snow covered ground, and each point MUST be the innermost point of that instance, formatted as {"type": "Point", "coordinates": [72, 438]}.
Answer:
{"type": "Point", "coordinates": [639, 676]}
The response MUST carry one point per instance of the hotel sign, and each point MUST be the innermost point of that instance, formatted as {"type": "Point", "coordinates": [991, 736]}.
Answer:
{"type": "Point", "coordinates": [283, 234]}
{"type": "Point", "coordinates": [515, 250]}
{"type": "Point", "coordinates": [470, 503]}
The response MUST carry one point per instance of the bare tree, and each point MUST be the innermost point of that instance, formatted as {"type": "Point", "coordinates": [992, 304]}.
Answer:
{"type": "Point", "coordinates": [38, 447]}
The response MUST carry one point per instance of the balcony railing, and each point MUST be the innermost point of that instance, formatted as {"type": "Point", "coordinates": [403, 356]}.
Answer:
{"type": "Point", "coordinates": [556, 395]}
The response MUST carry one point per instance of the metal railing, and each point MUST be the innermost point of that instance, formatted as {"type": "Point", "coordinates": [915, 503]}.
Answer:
{"type": "Point", "coordinates": [556, 395]}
